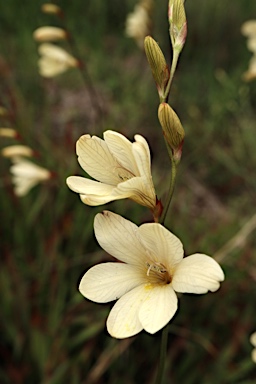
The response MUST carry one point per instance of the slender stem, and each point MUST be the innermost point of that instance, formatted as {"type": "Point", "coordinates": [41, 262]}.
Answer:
{"type": "Point", "coordinates": [170, 191]}
{"type": "Point", "coordinates": [162, 358]}
{"type": "Point", "coordinates": [94, 97]}
{"type": "Point", "coordinates": [175, 58]}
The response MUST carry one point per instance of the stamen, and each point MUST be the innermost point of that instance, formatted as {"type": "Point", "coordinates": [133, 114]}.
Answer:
{"type": "Point", "coordinates": [159, 271]}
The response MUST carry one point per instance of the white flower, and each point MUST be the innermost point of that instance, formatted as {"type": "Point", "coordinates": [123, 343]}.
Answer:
{"type": "Point", "coordinates": [49, 34]}
{"type": "Point", "coordinates": [122, 168]}
{"type": "Point", "coordinates": [138, 22]}
{"type": "Point", "coordinates": [26, 175]}
{"type": "Point", "coordinates": [54, 60]}
{"type": "Point", "coordinates": [152, 269]}
{"type": "Point", "coordinates": [253, 342]}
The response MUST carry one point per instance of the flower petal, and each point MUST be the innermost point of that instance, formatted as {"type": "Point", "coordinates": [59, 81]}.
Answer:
{"type": "Point", "coordinates": [139, 190]}
{"type": "Point", "coordinates": [108, 281]}
{"type": "Point", "coordinates": [121, 149]}
{"type": "Point", "coordinates": [86, 186]}
{"type": "Point", "coordinates": [96, 159]}
{"type": "Point", "coordinates": [118, 237]}
{"type": "Point", "coordinates": [123, 320]}
{"type": "Point", "coordinates": [159, 308]}
{"type": "Point", "coordinates": [197, 273]}
{"type": "Point", "coordinates": [142, 156]}
{"type": "Point", "coordinates": [163, 246]}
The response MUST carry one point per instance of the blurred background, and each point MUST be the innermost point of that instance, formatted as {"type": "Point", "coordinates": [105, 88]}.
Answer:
{"type": "Point", "coordinates": [50, 334]}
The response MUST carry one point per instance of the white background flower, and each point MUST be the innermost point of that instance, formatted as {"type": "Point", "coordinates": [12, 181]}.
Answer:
{"type": "Point", "coordinates": [46, 33]}
{"type": "Point", "coordinates": [54, 60]}
{"type": "Point", "coordinates": [152, 269]}
{"type": "Point", "coordinates": [26, 175]}
{"type": "Point", "coordinates": [122, 168]}
{"type": "Point", "coordinates": [253, 342]}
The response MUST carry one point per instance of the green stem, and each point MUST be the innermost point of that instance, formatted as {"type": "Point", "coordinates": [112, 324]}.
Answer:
{"type": "Point", "coordinates": [175, 58]}
{"type": "Point", "coordinates": [163, 351]}
{"type": "Point", "coordinates": [94, 98]}
{"type": "Point", "coordinates": [170, 191]}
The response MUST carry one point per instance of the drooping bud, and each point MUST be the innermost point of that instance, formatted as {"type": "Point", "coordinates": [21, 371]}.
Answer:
{"type": "Point", "coordinates": [44, 34]}
{"type": "Point", "coordinates": [158, 65]}
{"type": "Point", "coordinates": [17, 150]}
{"type": "Point", "coordinates": [178, 23]}
{"type": "Point", "coordinates": [9, 132]}
{"type": "Point", "coordinates": [51, 8]}
{"type": "Point", "coordinates": [172, 129]}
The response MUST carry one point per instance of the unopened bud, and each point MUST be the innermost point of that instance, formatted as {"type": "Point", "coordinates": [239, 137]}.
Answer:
{"type": "Point", "coordinates": [17, 150]}
{"type": "Point", "coordinates": [9, 132]}
{"type": "Point", "coordinates": [158, 65]}
{"type": "Point", "coordinates": [51, 8]}
{"type": "Point", "coordinates": [172, 128]}
{"type": "Point", "coordinates": [178, 23]}
{"type": "Point", "coordinates": [49, 34]}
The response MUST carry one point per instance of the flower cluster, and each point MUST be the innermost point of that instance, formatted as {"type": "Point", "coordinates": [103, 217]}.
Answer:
{"type": "Point", "coordinates": [25, 173]}
{"type": "Point", "coordinates": [150, 267]}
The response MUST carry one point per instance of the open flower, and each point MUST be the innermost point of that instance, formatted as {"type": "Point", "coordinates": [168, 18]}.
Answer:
{"type": "Point", "coordinates": [122, 168]}
{"type": "Point", "coordinates": [26, 175]}
{"type": "Point", "coordinates": [152, 269]}
{"type": "Point", "coordinates": [54, 60]}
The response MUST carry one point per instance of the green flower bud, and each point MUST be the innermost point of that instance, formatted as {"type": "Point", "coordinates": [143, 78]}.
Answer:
{"type": "Point", "coordinates": [172, 129]}
{"type": "Point", "coordinates": [178, 23]}
{"type": "Point", "coordinates": [158, 65]}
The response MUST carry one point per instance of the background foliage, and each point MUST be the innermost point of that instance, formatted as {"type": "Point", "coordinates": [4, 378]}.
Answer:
{"type": "Point", "coordinates": [50, 333]}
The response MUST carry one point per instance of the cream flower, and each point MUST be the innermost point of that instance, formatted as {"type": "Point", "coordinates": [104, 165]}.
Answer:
{"type": "Point", "coordinates": [152, 269]}
{"type": "Point", "coordinates": [49, 34]}
{"type": "Point", "coordinates": [122, 168]}
{"type": "Point", "coordinates": [253, 342]}
{"type": "Point", "coordinates": [138, 22]}
{"type": "Point", "coordinates": [54, 60]}
{"type": "Point", "coordinates": [8, 132]}
{"type": "Point", "coordinates": [248, 28]}
{"type": "Point", "coordinates": [51, 8]}
{"type": "Point", "coordinates": [17, 150]}
{"type": "Point", "coordinates": [26, 175]}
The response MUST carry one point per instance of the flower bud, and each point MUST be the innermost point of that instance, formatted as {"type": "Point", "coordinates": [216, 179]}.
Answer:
{"type": "Point", "coordinates": [8, 132]}
{"type": "Point", "coordinates": [172, 129]}
{"type": "Point", "coordinates": [17, 150]}
{"type": "Point", "coordinates": [49, 34]}
{"type": "Point", "coordinates": [51, 8]}
{"type": "Point", "coordinates": [158, 65]}
{"type": "Point", "coordinates": [178, 23]}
